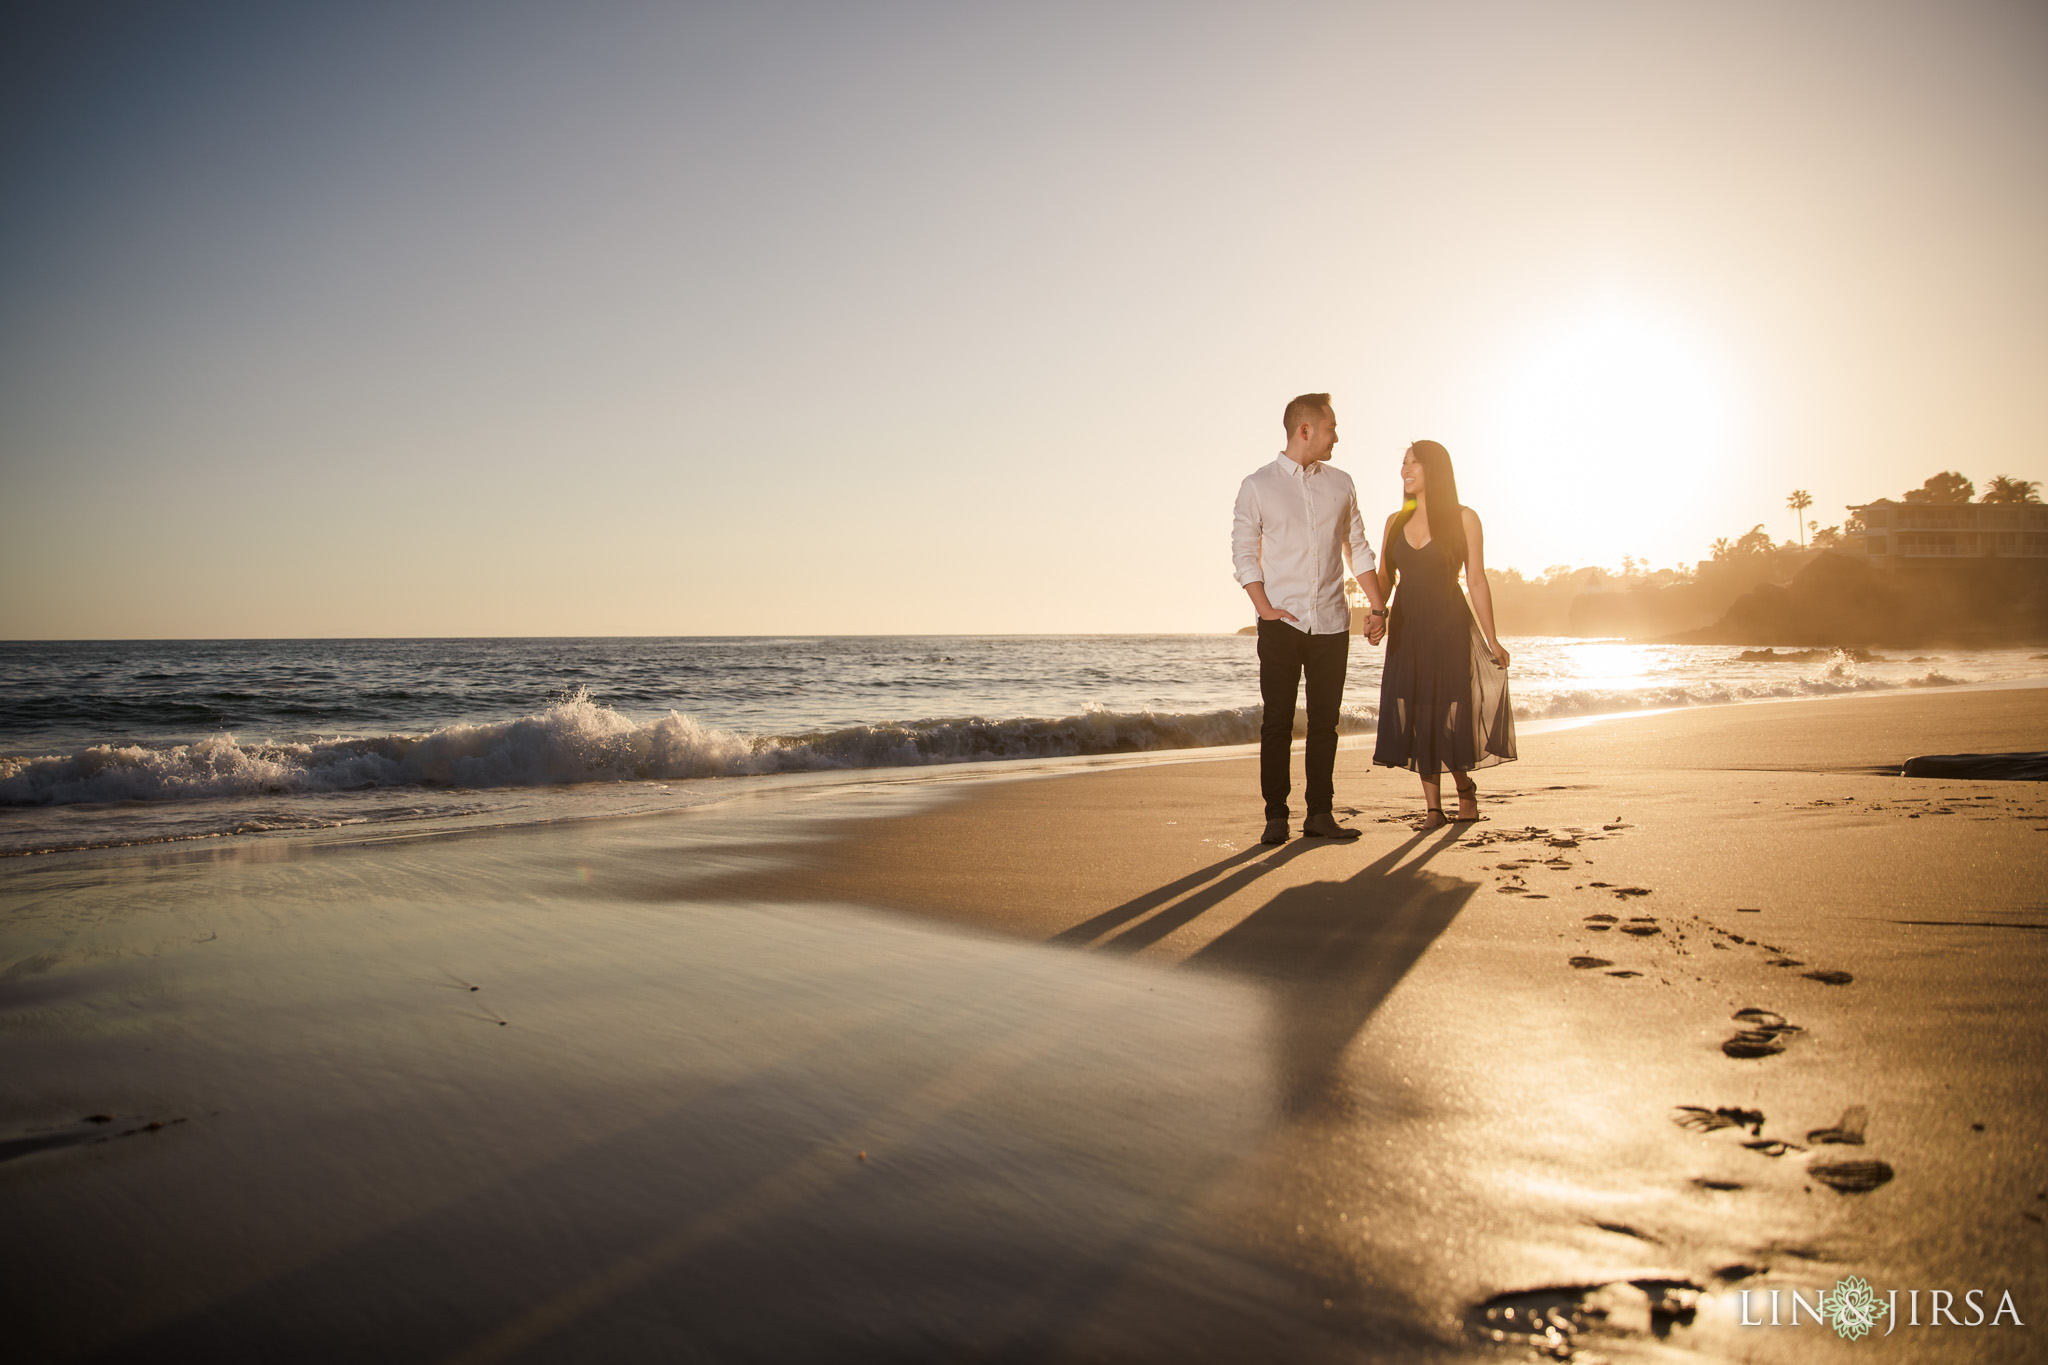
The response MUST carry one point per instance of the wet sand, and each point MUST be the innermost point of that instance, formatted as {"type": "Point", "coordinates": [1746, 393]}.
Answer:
{"type": "Point", "coordinates": [1063, 1068]}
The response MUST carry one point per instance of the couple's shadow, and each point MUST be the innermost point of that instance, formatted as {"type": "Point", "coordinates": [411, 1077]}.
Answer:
{"type": "Point", "coordinates": [1328, 952]}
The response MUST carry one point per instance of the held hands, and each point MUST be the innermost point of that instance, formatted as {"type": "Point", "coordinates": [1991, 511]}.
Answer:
{"type": "Point", "coordinates": [1375, 628]}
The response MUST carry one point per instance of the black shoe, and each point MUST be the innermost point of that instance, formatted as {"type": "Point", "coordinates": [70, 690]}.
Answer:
{"type": "Point", "coordinates": [1323, 825]}
{"type": "Point", "coordinates": [1276, 832]}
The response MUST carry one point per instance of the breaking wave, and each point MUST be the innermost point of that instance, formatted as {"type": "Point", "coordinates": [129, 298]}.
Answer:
{"type": "Point", "coordinates": [1598, 702]}
{"type": "Point", "coordinates": [580, 740]}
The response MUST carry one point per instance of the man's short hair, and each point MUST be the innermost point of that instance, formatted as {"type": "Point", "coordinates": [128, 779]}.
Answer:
{"type": "Point", "coordinates": [1307, 408]}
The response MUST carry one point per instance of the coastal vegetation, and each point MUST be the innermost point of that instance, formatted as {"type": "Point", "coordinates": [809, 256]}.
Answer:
{"type": "Point", "coordinates": [2004, 488]}
{"type": "Point", "coordinates": [1839, 599]}
{"type": "Point", "coordinates": [1806, 591]}
{"type": "Point", "coordinates": [1799, 502]}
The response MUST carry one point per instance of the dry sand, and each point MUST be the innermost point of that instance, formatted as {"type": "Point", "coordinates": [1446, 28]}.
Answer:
{"type": "Point", "coordinates": [801, 1079]}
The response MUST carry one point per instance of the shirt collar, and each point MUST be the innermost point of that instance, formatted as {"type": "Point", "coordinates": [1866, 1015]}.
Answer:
{"type": "Point", "coordinates": [1299, 471]}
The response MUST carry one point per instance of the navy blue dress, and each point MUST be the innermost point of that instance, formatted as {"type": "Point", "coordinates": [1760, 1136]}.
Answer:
{"type": "Point", "coordinates": [1443, 700]}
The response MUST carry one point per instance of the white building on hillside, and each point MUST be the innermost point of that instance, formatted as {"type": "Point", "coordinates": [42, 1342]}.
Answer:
{"type": "Point", "coordinates": [1923, 532]}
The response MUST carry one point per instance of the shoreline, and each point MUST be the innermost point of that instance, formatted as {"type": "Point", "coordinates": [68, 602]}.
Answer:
{"type": "Point", "coordinates": [628, 798]}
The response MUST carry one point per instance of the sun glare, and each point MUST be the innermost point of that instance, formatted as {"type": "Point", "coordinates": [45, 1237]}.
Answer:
{"type": "Point", "coordinates": [1613, 424]}
{"type": "Point", "coordinates": [1613, 665]}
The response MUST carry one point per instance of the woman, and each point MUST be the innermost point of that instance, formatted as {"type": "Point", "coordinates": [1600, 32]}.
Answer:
{"type": "Point", "coordinates": [1444, 689]}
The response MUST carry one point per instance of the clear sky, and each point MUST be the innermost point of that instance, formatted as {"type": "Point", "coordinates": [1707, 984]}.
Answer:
{"type": "Point", "coordinates": [394, 319]}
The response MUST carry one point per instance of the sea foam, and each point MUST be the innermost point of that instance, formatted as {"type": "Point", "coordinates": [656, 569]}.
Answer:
{"type": "Point", "coordinates": [578, 739]}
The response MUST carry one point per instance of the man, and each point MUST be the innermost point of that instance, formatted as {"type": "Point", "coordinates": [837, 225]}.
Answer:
{"type": "Point", "coordinates": [1297, 519]}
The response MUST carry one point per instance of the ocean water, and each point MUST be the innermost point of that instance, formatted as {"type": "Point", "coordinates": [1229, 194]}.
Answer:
{"type": "Point", "coordinates": [131, 742]}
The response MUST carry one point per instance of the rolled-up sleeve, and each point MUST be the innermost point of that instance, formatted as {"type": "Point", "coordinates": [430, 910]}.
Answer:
{"type": "Point", "coordinates": [1354, 539]}
{"type": "Point", "coordinates": [1244, 536]}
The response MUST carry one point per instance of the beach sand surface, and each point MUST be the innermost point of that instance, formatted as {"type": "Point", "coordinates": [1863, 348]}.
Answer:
{"type": "Point", "coordinates": [1066, 1067]}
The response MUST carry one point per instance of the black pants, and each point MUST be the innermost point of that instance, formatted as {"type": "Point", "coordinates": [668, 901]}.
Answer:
{"type": "Point", "coordinates": [1284, 655]}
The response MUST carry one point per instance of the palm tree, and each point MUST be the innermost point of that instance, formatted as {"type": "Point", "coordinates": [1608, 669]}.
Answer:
{"type": "Point", "coordinates": [2005, 488]}
{"type": "Point", "coordinates": [1799, 502]}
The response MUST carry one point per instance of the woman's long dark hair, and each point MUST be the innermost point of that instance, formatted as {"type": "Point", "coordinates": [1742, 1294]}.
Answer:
{"type": "Point", "coordinates": [1446, 513]}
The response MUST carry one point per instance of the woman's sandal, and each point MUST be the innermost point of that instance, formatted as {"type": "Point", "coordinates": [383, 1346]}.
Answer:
{"type": "Point", "coordinates": [1473, 818]}
{"type": "Point", "coordinates": [1433, 818]}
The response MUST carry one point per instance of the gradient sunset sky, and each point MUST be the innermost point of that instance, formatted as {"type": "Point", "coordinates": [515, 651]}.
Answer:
{"type": "Point", "coordinates": [399, 319]}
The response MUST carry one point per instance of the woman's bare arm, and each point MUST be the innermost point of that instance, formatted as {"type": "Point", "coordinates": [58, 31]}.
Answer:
{"type": "Point", "coordinates": [1381, 571]}
{"type": "Point", "coordinates": [1476, 584]}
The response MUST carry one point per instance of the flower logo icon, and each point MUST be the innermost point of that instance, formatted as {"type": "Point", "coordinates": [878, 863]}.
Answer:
{"type": "Point", "coordinates": [1853, 1307]}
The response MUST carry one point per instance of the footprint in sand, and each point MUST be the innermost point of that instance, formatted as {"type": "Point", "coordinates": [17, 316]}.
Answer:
{"type": "Point", "coordinates": [1847, 1176]}
{"type": "Point", "coordinates": [1642, 926]}
{"type": "Point", "coordinates": [1584, 962]}
{"type": "Point", "coordinates": [1554, 1319]}
{"type": "Point", "coordinates": [1772, 1147]}
{"type": "Point", "coordinates": [1703, 1120]}
{"type": "Point", "coordinates": [1828, 978]}
{"type": "Point", "coordinates": [1600, 924]}
{"type": "Point", "coordinates": [1851, 1177]}
{"type": "Point", "coordinates": [1700, 1119]}
{"type": "Point", "coordinates": [1762, 1035]}
{"type": "Point", "coordinates": [1624, 1230]}
{"type": "Point", "coordinates": [1624, 973]}
{"type": "Point", "coordinates": [1848, 1129]}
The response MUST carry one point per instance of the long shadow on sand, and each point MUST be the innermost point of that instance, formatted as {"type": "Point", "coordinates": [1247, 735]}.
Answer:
{"type": "Point", "coordinates": [1329, 952]}
{"type": "Point", "coordinates": [1208, 893]}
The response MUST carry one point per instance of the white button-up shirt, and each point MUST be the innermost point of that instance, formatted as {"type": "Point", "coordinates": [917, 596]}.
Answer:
{"type": "Point", "coordinates": [1294, 526]}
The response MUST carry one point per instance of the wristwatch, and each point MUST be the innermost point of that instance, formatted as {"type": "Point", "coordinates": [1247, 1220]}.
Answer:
{"type": "Point", "coordinates": [1375, 611]}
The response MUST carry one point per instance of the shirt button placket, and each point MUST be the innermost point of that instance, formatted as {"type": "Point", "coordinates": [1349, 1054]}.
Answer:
{"type": "Point", "coordinates": [1308, 490]}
